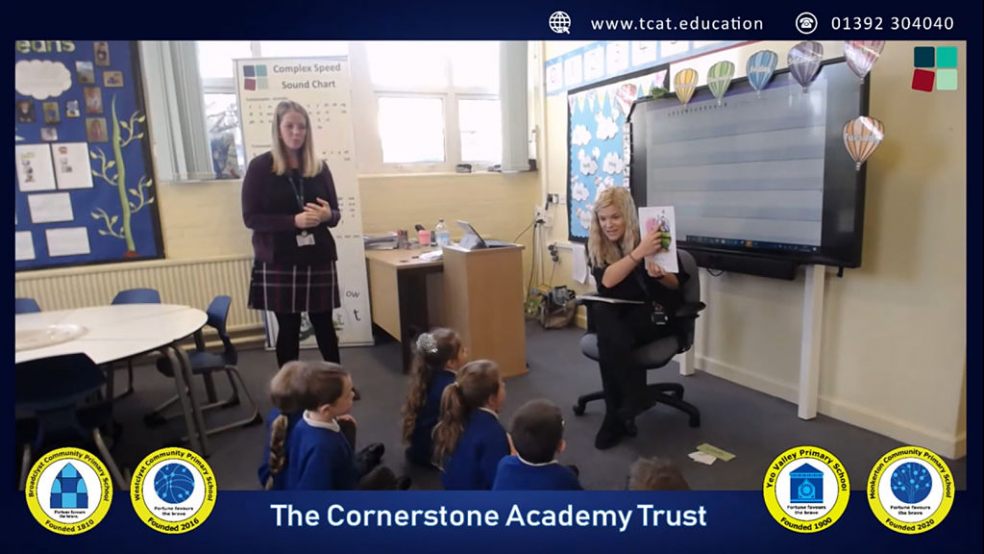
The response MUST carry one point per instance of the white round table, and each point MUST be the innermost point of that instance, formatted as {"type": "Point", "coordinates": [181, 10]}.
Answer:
{"type": "Point", "coordinates": [119, 332]}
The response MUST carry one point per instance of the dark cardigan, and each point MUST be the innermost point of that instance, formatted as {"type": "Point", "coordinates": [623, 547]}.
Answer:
{"type": "Point", "coordinates": [269, 207]}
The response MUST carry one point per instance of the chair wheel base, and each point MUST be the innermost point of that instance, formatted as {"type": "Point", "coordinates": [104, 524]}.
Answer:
{"type": "Point", "coordinates": [579, 409]}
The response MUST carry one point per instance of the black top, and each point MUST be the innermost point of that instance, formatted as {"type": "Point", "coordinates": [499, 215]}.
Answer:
{"type": "Point", "coordinates": [631, 288]}
{"type": "Point", "coordinates": [270, 203]}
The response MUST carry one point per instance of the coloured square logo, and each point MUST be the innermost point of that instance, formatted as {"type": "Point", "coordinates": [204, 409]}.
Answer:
{"type": "Point", "coordinates": [249, 71]}
{"type": "Point", "coordinates": [923, 80]}
{"type": "Point", "coordinates": [946, 79]}
{"type": "Point", "coordinates": [249, 84]}
{"type": "Point", "coordinates": [924, 56]}
{"type": "Point", "coordinates": [946, 57]}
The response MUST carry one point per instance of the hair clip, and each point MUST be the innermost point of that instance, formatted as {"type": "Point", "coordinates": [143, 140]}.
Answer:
{"type": "Point", "coordinates": [426, 343]}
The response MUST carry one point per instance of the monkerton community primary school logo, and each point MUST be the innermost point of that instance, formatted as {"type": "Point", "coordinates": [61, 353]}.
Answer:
{"type": "Point", "coordinates": [910, 490]}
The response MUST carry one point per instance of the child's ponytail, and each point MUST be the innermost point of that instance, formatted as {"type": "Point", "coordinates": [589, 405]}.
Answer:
{"type": "Point", "coordinates": [477, 381]}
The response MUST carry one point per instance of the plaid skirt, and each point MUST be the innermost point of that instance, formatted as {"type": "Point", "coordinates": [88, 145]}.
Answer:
{"type": "Point", "coordinates": [287, 288]}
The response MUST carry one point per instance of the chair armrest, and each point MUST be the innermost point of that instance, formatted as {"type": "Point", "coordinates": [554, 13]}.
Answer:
{"type": "Point", "coordinates": [690, 310]}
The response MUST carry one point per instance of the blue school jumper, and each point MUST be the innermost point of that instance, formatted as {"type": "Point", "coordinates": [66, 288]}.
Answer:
{"type": "Point", "coordinates": [318, 457]}
{"type": "Point", "coordinates": [473, 463]}
{"type": "Point", "coordinates": [421, 442]}
{"type": "Point", "coordinates": [516, 474]}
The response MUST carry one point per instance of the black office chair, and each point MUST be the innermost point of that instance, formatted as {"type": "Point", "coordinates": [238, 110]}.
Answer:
{"type": "Point", "coordinates": [53, 391]}
{"type": "Point", "coordinates": [206, 363]}
{"type": "Point", "coordinates": [658, 353]}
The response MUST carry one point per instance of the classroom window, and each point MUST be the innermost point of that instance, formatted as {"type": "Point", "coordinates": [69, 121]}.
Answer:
{"type": "Point", "coordinates": [411, 129]}
{"type": "Point", "coordinates": [416, 132]}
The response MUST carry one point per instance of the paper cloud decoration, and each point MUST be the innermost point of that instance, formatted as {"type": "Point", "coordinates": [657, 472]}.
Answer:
{"type": "Point", "coordinates": [580, 135]}
{"type": "Point", "coordinates": [41, 79]}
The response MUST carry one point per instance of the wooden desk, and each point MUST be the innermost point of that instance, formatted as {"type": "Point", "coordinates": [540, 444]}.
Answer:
{"type": "Point", "coordinates": [479, 294]}
{"type": "Point", "coordinates": [398, 294]}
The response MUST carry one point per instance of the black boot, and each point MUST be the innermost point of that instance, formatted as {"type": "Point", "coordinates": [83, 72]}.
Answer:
{"type": "Point", "coordinates": [610, 434]}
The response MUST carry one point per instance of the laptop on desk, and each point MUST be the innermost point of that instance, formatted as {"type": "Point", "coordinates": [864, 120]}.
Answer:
{"type": "Point", "coordinates": [473, 241]}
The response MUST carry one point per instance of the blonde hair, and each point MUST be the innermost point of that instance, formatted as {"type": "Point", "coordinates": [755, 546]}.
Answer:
{"type": "Point", "coordinates": [432, 352]}
{"type": "Point", "coordinates": [299, 386]}
{"type": "Point", "coordinates": [476, 382]}
{"type": "Point", "coordinates": [309, 165]}
{"type": "Point", "coordinates": [601, 251]}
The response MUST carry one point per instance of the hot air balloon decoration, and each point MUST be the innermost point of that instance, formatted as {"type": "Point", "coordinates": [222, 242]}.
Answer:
{"type": "Point", "coordinates": [804, 61]}
{"type": "Point", "coordinates": [719, 79]}
{"type": "Point", "coordinates": [760, 68]}
{"type": "Point", "coordinates": [862, 136]}
{"type": "Point", "coordinates": [685, 81]}
{"type": "Point", "coordinates": [862, 54]}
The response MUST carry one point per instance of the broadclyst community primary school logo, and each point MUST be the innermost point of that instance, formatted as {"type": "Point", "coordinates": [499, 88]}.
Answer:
{"type": "Point", "coordinates": [806, 489]}
{"type": "Point", "coordinates": [69, 491]}
{"type": "Point", "coordinates": [173, 490]}
{"type": "Point", "coordinates": [910, 490]}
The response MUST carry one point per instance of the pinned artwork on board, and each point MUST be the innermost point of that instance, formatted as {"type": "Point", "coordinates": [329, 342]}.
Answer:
{"type": "Point", "coordinates": [25, 111]}
{"type": "Point", "coordinates": [719, 79]}
{"type": "Point", "coordinates": [862, 136]}
{"type": "Point", "coordinates": [760, 68]}
{"type": "Point", "coordinates": [93, 100]}
{"type": "Point", "coordinates": [113, 79]}
{"type": "Point", "coordinates": [72, 108]}
{"type": "Point", "coordinates": [862, 54]}
{"type": "Point", "coordinates": [685, 81]}
{"type": "Point", "coordinates": [804, 62]}
{"type": "Point", "coordinates": [52, 114]}
{"type": "Point", "coordinates": [100, 49]}
{"type": "Point", "coordinates": [95, 129]}
{"type": "Point", "coordinates": [85, 72]}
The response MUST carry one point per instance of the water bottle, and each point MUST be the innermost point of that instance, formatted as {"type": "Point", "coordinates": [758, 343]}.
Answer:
{"type": "Point", "coordinates": [442, 235]}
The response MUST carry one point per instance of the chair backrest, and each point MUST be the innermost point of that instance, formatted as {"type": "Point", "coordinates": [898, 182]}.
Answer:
{"type": "Point", "coordinates": [56, 382]}
{"type": "Point", "coordinates": [26, 306]}
{"type": "Point", "coordinates": [691, 293]}
{"type": "Point", "coordinates": [137, 296]}
{"type": "Point", "coordinates": [218, 314]}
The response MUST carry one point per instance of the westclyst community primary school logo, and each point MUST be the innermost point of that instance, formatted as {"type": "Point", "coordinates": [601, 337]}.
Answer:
{"type": "Point", "coordinates": [173, 490]}
{"type": "Point", "coordinates": [910, 490]}
{"type": "Point", "coordinates": [806, 489]}
{"type": "Point", "coordinates": [69, 491]}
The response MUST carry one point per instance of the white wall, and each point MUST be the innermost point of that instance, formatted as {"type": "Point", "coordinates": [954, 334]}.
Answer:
{"type": "Point", "coordinates": [893, 356]}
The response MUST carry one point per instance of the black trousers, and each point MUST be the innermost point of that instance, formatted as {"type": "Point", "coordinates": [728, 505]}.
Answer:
{"type": "Point", "coordinates": [620, 329]}
{"type": "Point", "coordinates": [288, 337]}
{"type": "Point", "coordinates": [373, 476]}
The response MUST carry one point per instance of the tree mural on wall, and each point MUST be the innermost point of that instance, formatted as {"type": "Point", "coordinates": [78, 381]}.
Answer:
{"type": "Point", "coordinates": [113, 172]}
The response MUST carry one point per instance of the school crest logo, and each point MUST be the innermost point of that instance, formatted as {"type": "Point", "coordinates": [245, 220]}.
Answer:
{"type": "Point", "coordinates": [173, 490]}
{"type": "Point", "coordinates": [69, 491]}
{"type": "Point", "coordinates": [806, 489]}
{"type": "Point", "coordinates": [910, 490]}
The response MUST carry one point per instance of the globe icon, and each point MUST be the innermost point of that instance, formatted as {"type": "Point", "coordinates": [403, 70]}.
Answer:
{"type": "Point", "coordinates": [911, 482]}
{"type": "Point", "coordinates": [560, 22]}
{"type": "Point", "coordinates": [174, 483]}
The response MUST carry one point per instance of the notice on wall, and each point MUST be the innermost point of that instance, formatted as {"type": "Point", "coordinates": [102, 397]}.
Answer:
{"type": "Point", "coordinates": [50, 208]}
{"type": "Point", "coordinates": [34, 171]}
{"type": "Point", "coordinates": [71, 161]}
{"type": "Point", "coordinates": [323, 86]}
{"type": "Point", "coordinates": [70, 241]}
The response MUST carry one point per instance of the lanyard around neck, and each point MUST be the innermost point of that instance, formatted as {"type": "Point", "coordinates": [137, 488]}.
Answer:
{"type": "Point", "coordinates": [297, 184]}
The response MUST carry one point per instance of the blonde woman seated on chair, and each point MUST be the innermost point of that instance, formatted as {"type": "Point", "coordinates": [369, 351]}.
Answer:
{"type": "Point", "coordinates": [616, 255]}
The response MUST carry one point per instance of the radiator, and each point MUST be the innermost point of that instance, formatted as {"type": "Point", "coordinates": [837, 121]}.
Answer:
{"type": "Point", "coordinates": [188, 282]}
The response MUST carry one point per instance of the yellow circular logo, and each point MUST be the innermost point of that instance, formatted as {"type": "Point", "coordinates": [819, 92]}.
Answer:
{"type": "Point", "coordinates": [173, 490]}
{"type": "Point", "coordinates": [910, 490]}
{"type": "Point", "coordinates": [69, 491]}
{"type": "Point", "coordinates": [806, 489]}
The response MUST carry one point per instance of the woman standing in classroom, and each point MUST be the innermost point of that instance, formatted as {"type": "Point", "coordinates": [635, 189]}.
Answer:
{"type": "Point", "coordinates": [289, 202]}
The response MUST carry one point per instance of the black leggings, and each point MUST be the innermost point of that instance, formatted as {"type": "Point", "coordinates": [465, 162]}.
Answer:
{"type": "Point", "coordinates": [620, 329]}
{"type": "Point", "coordinates": [288, 337]}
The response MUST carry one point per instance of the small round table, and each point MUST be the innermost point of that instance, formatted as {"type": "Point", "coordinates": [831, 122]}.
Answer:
{"type": "Point", "coordinates": [118, 332]}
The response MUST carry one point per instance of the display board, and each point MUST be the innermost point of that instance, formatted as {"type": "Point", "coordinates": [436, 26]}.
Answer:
{"type": "Point", "coordinates": [322, 85]}
{"type": "Point", "coordinates": [85, 185]}
{"type": "Point", "coordinates": [598, 146]}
